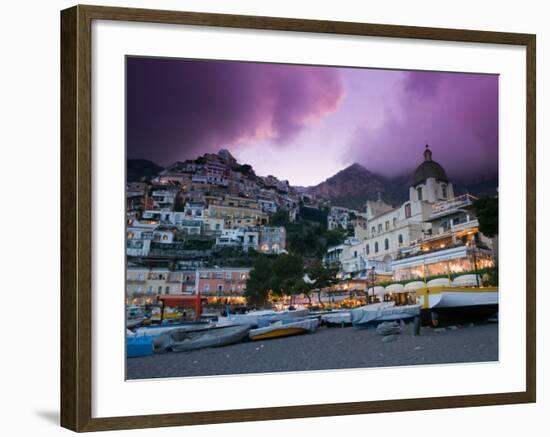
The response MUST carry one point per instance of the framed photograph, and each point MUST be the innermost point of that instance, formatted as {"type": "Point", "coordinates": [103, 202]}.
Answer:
{"type": "Point", "coordinates": [268, 218]}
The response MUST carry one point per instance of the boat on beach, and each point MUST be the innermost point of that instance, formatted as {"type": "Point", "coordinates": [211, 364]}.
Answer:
{"type": "Point", "coordinates": [135, 316]}
{"type": "Point", "coordinates": [180, 340]}
{"type": "Point", "coordinates": [159, 314]}
{"type": "Point", "coordinates": [250, 318]}
{"type": "Point", "coordinates": [134, 322]}
{"type": "Point", "coordinates": [156, 330]}
{"type": "Point", "coordinates": [138, 346]}
{"type": "Point", "coordinates": [453, 304]}
{"type": "Point", "coordinates": [376, 313]}
{"type": "Point", "coordinates": [284, 328]}
{"type": "Point", "coordinates": [261, 318]}
{"type": "Point", "coordinates": [337, 318]}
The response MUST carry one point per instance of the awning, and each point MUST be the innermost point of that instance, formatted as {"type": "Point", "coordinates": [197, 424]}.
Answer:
{"type": "Point", "coordinates": [181, 301]}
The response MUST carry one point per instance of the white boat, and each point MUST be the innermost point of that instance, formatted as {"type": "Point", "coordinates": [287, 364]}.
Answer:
{"type": "Point", "coordinates": [339, 318]}
{"type": "Point", "coordinates": [134, 316]}
{"type": "Point", "coordinates": [373, 314]}
{"type": "Point", "coordinates": [284, 328]}
{"type": "Point", "coordinates": [457, 304]}
{"type": "Point", "coordinates": [180, 340]}
{"type": "Point", "coordinates": [250, 318]}
{"type": "Point", "coordinates": [260, 318]}
{"type": "Point", "coordinates": [453, 297]}
{"type": "Point", "coordinates": [156, 330]}
{"type": "Point", "coordinates": [132, 323]}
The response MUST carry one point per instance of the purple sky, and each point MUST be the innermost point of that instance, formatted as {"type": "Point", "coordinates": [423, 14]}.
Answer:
{"type": "Point", "coordinates": [305, 123]}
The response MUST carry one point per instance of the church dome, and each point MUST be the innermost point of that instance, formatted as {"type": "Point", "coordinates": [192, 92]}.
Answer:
{"type": "Point", "coordinates": [429, 169]}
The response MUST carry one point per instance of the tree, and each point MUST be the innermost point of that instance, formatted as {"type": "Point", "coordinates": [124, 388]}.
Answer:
{"type": "Point", "coordinates": [259, 282]}
{"type": "Point", "coordinates": [322, 276]}
{"type": "Point", "coordinates": [287, 275]}
{"type": "Point", "coordinates": [486, 209]}
{"type": "Point", "coordinates": [282, 275]}
{"type": "Point", "coordinates": [280, 218]}
{"type": "Point", "coordinates": [335, 237]}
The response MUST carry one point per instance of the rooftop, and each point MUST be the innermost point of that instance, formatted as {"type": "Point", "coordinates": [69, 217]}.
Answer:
{"type": "Point", "coordinates": [429, 169]}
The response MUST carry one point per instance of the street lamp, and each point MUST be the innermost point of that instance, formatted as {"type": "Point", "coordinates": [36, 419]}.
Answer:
{"type": "Point", "coordinates": [473, 243]}
{"type": "Point", "coordinates": [372, 276]}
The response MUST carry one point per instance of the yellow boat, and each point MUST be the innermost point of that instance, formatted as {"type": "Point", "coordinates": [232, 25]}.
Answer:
{"type": "Point", "coordinates": [457, 303]}
{"type": "Point", "coordinates": [454, 297]}
{"type": "Point", "coordinates": [284, 328]}
{"type": "Point", "coordinates": [168, 314]}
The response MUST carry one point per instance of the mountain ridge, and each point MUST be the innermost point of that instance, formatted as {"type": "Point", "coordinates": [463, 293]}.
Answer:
{"type": "Point", "coordinates": [350, 187]}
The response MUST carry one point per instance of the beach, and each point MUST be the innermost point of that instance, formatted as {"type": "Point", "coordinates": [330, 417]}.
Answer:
{"type": "Point", "coordinates": [327, 349]}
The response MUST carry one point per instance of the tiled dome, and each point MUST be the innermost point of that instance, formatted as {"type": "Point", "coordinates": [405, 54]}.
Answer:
{"type": "Point", "coordinates": [429, 169]}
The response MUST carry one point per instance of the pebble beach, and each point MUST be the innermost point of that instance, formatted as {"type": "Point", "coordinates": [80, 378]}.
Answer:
{"type": "Point", "coordinates": [327, 349]}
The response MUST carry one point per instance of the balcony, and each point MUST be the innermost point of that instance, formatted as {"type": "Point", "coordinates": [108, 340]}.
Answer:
{"type": "Point", "coordinates": [463, 201]}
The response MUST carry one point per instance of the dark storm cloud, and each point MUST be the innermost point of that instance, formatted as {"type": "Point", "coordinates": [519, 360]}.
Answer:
{"type": "Point", "coordinates": [178, 109]}
{"type": "Point", "coordinates": [456, 114]}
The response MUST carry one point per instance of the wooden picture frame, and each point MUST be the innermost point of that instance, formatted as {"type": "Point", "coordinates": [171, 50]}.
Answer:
{"type": "Point", "coordinates": [76, 217]}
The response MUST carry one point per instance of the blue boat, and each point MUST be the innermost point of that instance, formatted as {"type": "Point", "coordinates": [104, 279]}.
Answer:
{"type": "Point", "coordinates": [139, 346]}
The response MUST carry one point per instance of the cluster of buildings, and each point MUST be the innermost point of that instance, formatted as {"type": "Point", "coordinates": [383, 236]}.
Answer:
{"type": "Point", "coordinates": [215, 282]}
{"type": "Point", "coordinates": [432, 233]}
{"type": "Point", "coordinates": [179, 221]}
{"type": "Point", "coordinates": [196, 209]}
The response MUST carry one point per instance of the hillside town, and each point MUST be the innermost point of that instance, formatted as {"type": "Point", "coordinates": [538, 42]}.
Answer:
{"type": "Point", "coordinates": [199, 226]}
{"type": "Point", "coordinates": [291, 218]}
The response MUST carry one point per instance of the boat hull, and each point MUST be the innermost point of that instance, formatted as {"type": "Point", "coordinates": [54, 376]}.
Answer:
{"type": "Point", "coordinates": [337, 319]}
{"type": "Point", "coordinates": [284, 329]}
{"type": "Point", "coordinates": [157, 330]}
{"type": "Point", "coordinates": [279, 333]}
{"type": "Point", "coordinates": [191, 340]}
{"type": "Point", "coordinates": [406, 318]}
{"type": "Point", "coordinates": [139, 346]}
{"type": "Point", "coordinates": [261, 318]}
{"type": "Point", "coordinates": [444, 305]}
{"type": "Point", "coordinates": [374, 314]}
{"type": "Point", "coordinates": [457, 315]}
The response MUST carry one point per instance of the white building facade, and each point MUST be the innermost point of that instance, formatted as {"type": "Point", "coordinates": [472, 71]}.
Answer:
{"type": "Point", "coordinates": [390, 232]}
